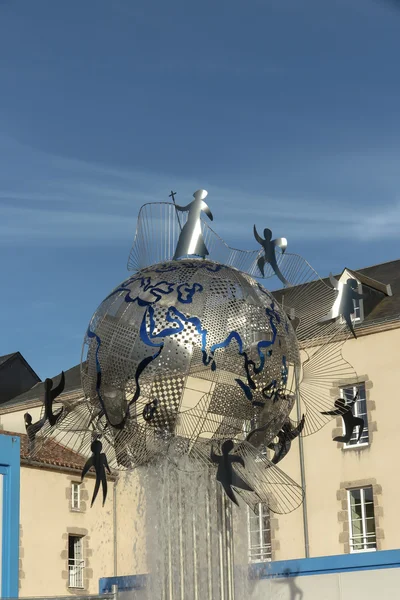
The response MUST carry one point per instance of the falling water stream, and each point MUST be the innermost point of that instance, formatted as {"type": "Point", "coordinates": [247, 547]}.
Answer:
{"type": "Point", "coordinates": [189, 537]}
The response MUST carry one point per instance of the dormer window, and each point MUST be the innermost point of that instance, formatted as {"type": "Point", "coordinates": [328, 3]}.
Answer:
{"type": "Point", "coordinates": [358, 314]}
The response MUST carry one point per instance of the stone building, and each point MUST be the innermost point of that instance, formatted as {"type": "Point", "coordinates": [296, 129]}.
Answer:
{"type": "Point", "coordinates": [66, 546]}
{"type": "Point", "coordinates": [351, 489]}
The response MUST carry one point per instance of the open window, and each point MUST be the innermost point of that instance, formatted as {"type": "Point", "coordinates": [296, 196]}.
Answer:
{"type": "Point", "coordinates": [359, 410]}
{"type": "Point", "coordinates": [76, 563]}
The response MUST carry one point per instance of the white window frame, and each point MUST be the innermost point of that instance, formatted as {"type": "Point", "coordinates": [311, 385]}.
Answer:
{"type": "Point", "coordinates": [358, 307]}
{"type": "Point", "coordinates": [355, 389]}
{"type": "Point", "coordinates": [75, 500]}
{"type": "Point", "coordinates": [363, 518]}
{"type": "Point", "coordinates": [264, 550]}
{"type": "Point", "coordinates": [76, 565]}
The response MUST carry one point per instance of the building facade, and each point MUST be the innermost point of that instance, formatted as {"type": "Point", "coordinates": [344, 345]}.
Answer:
{"type": "Point", "coordinates": [66, 545]}
{"type": "Point", "coordinates": [350, 489]}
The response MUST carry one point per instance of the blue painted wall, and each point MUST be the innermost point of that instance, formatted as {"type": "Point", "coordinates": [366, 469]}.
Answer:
{"type": "Point", "coordinates": [128, 582]}
{"type": "Point", "coordinates": [10, 469]}
{"type": "Point", "coordinates": [320, 565]}
{"type": "Point", "coordinates": [384, 559]}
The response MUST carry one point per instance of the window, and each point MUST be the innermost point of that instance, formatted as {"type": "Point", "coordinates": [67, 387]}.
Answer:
{"type": "Point", "coordinates": [76, 496]}
{"type": "Point", "coordinates": [357, 310]}
{"type": "Point", "coordinates": [359, 410]}
{"type": "Point", "coordinates": [358, 313]}
{"type": "Point", "coordinates": [76, 564]}
{"type": "Point", "coordinates": [259, 534]}
{"type": "Point", "coordinates": [361, 520]}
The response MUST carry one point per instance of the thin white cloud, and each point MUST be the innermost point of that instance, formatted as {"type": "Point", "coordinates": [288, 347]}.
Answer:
{"type": "Point", "coordinates": [71, 202]}
{"type": "Point", "coordinates": [26, 224]}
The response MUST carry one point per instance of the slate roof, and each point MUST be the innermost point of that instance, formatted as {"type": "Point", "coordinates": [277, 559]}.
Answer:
{"type": "Point", "coordinates": [388, 273]}
{"type": "Point", "coordinates": [51, 453]}
{"type": "Point", "coordinates": [36, 393]}
{"type": "Point", "coordinates": [385, 307]}
{"type": "Point", "coordinates": [10, 357]}
{"type": "Point", "coordinates": [5, 358]}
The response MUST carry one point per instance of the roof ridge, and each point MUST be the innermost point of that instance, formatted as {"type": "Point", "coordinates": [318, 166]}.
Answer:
{"type": "Point", "coordinates": [386, 262]}
{"type": "Point", "coordinates": [6, 357]}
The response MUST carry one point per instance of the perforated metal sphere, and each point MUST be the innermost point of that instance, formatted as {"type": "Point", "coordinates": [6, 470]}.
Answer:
{"type": "Point", "coordinates": [190, 349]}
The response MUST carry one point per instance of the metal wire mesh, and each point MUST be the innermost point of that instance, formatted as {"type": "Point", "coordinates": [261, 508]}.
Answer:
{"type": "Point", "coordinates": [187, 353]}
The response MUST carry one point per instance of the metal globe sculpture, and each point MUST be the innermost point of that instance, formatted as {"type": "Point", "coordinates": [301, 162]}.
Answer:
{"type": "Point", "coordinates": [184, 336]}
{"type": "Point", "coordinates": [193, 359]}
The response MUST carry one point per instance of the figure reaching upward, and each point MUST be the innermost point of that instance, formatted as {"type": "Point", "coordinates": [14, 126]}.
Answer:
{"type": "Point", "coordinates": [98, 461]}
{"type": "Point", "coordinates": [225, 473]}
{"type": "Point", "coordinates": [344, 302]}
{"type": "Point", "coordinates": [269, 257]}
{"type": "Point", "coordinates": [32, 429]}
{"type": "Point", "coordinates": [286, 435]}
{"type": "Point", "coordinates": [50, 394]}
{"type": "Point", "coordinates": [349, 420]}
{"type": "Point", "coordinates": [191, 238]}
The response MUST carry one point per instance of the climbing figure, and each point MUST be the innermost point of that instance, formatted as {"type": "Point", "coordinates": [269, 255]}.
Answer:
{"type": "Point", "coordinates": [344, 302]}
{"type": "Point", "coordinates": [50, 395]}
{"type": "Point", "coordinates": [349, 420]}
{"type": "Point", "coordinates": [191, 238]}
{"type": "Point", "coordinates": [286, 435]}
{"type": "Point", "coordinates": [98, 460]}
{"type": "Point", "coordinates": [225, 473]}
{"type": "Point", "coordinates": [269, 256]}
{"type": "Point", "coordinates": [32, 429]}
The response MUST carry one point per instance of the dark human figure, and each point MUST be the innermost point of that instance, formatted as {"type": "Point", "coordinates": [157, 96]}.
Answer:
{"type": "Point", "coordinates": [269, 257]}
{"type": "Point", "coordinates": [349, 420]}
{"type": "Point", "coordinates": [296, 593]}
{"type": "Point", "coordinates": [344, 307]}
{"type": "Point", "coordinates": [150, 410]}
{"type": "Point", "coordinates": [98, 461]}
{"type": "Point", "coordinates": [225, 473]}
{"type": "Point", "coordinates": [32, 429]}
{"type": "Point", "coordinates": [286, 435]}
{"type": "Point", "coordinates": [191, 238]}
{"type": "Point", "coordinates": [49, 396]}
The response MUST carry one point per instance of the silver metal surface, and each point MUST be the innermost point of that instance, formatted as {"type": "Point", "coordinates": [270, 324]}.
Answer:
{"type": "Point", "coordinates": [159, 235]}
{"type": "Point", "coordinates": [209, 324]}
{"type": "Point", "coordinates": [191, 240]}
{"type": "Point", "coordinates": [158, 230]}
{"type": "Point", "coordinates": [343, 306]}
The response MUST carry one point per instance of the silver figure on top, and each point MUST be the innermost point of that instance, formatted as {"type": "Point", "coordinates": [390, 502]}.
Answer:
{"type": "Point", "coordinates": [191, 238]}
{"type": "Point", "coordinates": [344, 303]}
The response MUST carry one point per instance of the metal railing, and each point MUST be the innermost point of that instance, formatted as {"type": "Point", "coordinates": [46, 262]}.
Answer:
{"type": "Point", "coordinates": [363, 542]}
{"type": "Point", "coordinates": [75, 573]}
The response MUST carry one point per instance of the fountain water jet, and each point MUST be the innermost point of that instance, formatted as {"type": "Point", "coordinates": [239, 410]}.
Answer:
{"type": "Point", "coordinates": [189, 535]}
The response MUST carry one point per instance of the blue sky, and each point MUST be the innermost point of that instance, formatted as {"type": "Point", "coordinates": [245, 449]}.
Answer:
{"type": "Point", "coordinates": [286, 111]}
